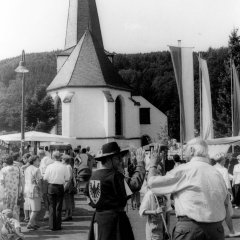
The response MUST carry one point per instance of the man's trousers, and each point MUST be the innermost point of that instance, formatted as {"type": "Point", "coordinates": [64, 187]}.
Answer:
{"type": "Point", "coordinates": [55, 198]}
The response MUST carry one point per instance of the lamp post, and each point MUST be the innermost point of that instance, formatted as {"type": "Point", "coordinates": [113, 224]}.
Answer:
{"type": "Point", "coordinates": [22, 69]}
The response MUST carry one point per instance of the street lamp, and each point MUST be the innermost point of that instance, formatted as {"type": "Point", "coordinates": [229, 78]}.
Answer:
{"type": "Point", "coordinates": [22, 69]}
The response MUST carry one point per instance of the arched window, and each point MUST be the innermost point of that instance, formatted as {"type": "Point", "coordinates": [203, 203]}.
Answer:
{"type": "Point", "coordinates": [118, 116]}
{"type": "Point", "coordinates": [59, 117]}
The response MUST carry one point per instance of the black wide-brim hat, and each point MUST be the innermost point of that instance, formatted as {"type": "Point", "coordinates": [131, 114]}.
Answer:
{"type": "Point", "coordinates": [110, 149]}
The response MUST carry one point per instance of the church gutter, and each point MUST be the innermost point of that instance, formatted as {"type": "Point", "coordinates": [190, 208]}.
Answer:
{"type": "Point", "coordinates": [90, 86]}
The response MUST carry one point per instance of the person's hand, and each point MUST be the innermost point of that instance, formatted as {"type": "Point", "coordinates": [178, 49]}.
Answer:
{"type": "Point", "coordinates": [140, 155]}
{"type": "Point", "coordinates": [159, 210]}
{"type": "Point", "coordinates": [155, 155]}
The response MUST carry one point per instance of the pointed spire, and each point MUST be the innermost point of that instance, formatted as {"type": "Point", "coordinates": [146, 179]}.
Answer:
{"type": "Point", "coordinates": [82, 15]}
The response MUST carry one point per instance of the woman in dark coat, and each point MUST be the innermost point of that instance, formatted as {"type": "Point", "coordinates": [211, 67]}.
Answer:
{"type": "Point", "coordinates": [108, 191]}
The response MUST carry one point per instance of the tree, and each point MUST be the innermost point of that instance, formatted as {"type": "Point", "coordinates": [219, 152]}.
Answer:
{"type": "Point", "coordinates": [40, 112]}
{"type": "Point", "coordinates": [234, 47]}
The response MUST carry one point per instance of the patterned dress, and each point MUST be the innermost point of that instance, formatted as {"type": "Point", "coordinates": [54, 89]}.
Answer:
{"type": "Point", "coordinates": [10, 177]}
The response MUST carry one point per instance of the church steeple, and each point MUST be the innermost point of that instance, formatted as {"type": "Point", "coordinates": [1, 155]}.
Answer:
{"type": "Point", "coordinates": [82, 15]}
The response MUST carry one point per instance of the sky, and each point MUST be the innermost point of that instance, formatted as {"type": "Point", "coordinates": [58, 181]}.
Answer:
{"type": "Point", "coordinates": [128, 26]}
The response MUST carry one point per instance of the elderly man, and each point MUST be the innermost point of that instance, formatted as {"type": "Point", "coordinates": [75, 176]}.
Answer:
{"type": "Point", "coordinates": [109, 190]}
{"type": "Point", "coordinates": [57, 176]}
{"type": "Point", "coordinates": [200, 194]}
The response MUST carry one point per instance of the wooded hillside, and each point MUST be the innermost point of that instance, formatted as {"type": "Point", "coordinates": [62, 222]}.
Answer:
{"type": "Point", "coordinates": [150, 75]}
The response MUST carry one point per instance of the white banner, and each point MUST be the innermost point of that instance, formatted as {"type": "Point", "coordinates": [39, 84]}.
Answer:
{"type": "Point", "coordinates": [207, 122]}
{"type": "Point", "coordinates": [188, 91]}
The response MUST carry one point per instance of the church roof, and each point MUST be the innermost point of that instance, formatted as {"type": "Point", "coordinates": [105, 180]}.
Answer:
{"type": "Point", "coordinates": [88, 66]}
{"type": "Point", "coordinates": [82, 15]}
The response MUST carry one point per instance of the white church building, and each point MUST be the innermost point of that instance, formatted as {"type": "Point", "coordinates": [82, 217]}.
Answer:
{"type": "Point", "coordinates": [94, 104]}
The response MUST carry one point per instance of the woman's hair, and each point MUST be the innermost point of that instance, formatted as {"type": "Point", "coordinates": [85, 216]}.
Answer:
{"type": "Point", "coordinates": [84, 150]}
{"type": "Point", "coordinates": [8, 160]}
{"type": "Point", "coordinates": [32, 159]}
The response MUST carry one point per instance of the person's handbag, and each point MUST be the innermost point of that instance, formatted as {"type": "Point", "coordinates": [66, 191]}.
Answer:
{"type": "Point", "coordinates": [36, 187]}
{"type": "Point", "coordinates": [20, 199]}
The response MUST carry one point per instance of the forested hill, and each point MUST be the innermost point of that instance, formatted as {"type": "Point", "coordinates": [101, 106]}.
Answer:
{"type": "Point", "coordinates": [150, 75]}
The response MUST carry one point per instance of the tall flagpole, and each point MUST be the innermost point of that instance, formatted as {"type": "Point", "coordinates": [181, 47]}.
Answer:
{"type": "Point", "coordinates": [200, 94]}
{"type": "Point", "coordinates": [181, 129]}
{"type": "Point", "coordinates": [232, 106]}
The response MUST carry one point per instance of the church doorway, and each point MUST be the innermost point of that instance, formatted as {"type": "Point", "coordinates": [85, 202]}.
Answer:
{"type": "Point", "coordinates": [118, 116]}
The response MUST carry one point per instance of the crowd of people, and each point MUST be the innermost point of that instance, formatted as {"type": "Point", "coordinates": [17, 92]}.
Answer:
{"type": "Point", "coordinates": [42, 181]}
{"type": "Point", "coordinates": [195, 189]}
{"type": "Point", "coordinates": [200, 190]}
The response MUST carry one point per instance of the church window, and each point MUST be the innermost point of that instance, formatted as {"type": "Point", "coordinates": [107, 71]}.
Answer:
{"type": "Point", "coordinates": [144, 116]}
{"type": "Point", "coordinates": [59, 117]}
{"type": "Point", "coordinates": [118, 116]}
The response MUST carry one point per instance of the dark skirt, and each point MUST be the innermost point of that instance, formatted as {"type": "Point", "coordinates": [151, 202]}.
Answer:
{"type": "Point", "coordinates": [111, 225]}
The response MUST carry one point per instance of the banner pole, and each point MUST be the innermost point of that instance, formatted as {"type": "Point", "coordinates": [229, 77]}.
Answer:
{"type": "Point", "coordinates": [181, 130]}
{"type": "Point", "coordinates": [232, 106]}
{"type": "Point", "coordinates": [200, 95]}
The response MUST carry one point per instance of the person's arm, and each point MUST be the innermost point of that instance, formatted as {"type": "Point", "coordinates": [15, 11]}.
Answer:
{"type": "Point", "coordinates": [67, 178]}
{"type": "Point", "coordinates": [39, 179]}
{"type": "Point", "coordinates": [162, 185]}
{"type": "Point", "coordinates": [136, 181]}
{"type": "Point", "coordinates": [120, 188]}
{"type": "Point", "coordinates": [227, 180]}
{"type": "Point", "coordinates": [153, 212]}
{"type": "Point", "coordinates": [229, 213]}
{"type": "Point", "coordinates": [46, 174]}
{"type": "Point", "coordinates": [234, 176]}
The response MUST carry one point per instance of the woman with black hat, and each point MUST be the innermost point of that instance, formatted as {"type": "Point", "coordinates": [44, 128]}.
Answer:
{"type": "Point", "coordinates": [108, 191]}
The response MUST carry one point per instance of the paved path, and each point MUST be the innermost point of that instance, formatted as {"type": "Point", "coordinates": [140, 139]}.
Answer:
{"type": "Point", "coordinates": [79, 227]}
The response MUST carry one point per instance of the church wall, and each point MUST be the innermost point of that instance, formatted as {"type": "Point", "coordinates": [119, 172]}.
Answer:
{"type": "Point", "coordinates": [158, 127]}
{"type": "Point", "coordinates": [88, 113]}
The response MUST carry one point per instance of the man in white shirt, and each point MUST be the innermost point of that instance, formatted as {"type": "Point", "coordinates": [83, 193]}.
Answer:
{"type": "Point", "coordinates": [57, 176]}
{"type": "Point", "coordinates": [236, 183]}
{"type": "Point", "coordinates": [199, 191]}
{"type": "Point", "coordinates": [45, 161]}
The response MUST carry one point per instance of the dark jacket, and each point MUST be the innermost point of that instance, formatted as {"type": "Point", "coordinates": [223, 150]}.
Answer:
{"type": "Point", "coordinates": [107, 194]}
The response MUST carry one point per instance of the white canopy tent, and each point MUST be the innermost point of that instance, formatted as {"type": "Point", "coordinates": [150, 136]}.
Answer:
{"type": "Point", "coordinates": [221, 144]}
{"type": "Point", "coordinates": [36, 137]}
